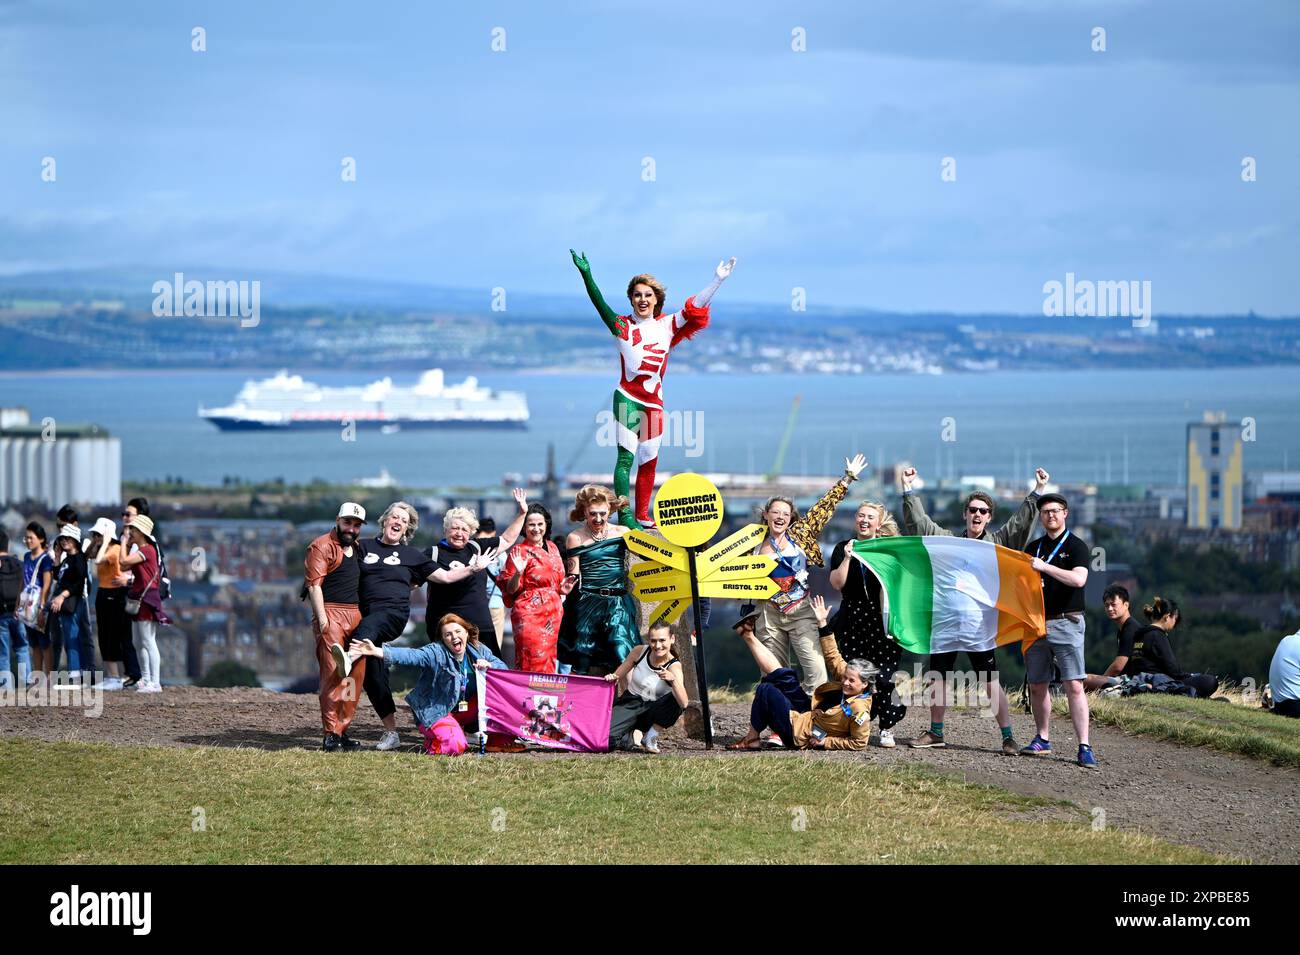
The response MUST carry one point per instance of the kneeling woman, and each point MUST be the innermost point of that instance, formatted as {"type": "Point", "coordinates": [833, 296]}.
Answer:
{"type": "Point", "coordinates": [653, 692]}
{"type": "Point", "coordinates": [837, 717]}
{"type": "Point", "coordinates": [444, 701]}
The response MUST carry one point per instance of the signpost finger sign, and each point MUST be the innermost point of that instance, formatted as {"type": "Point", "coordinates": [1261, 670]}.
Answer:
{"type": "Point", "coordinates": [688, 511]}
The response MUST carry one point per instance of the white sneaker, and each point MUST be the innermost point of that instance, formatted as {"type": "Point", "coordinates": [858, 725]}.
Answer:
{"type": "Point", "coordinates": [390, 740]}
{"type": "Point", "coordinates": [887, 739]}
{"type": "Point", "coordinates": [650, 742]}
{"type": "Point", "coordinates": [342, 662]}
{"type": "Point", "coordinates": [143, 686]}
{"type": "Point", "coordinates": [111, 683]}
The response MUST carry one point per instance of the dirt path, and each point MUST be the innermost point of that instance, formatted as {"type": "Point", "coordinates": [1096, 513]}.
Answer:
{"type": "Point", "coordinates": [1230, 805]}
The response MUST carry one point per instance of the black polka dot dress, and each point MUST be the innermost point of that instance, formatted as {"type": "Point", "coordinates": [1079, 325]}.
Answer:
{"type": "Point", "coordinates": [860, 635]}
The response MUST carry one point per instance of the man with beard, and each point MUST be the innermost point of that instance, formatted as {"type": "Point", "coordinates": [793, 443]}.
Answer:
{"type": "Point", "coordinates": [962, 632]}
{"type": "Point", "coordinates": [390, 568]}
{"type": "Point", "coordinates": [332, 584]}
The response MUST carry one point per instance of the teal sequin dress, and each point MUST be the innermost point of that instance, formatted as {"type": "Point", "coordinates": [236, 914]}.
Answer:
{"type": "Point", "coordinates": [605, 619]}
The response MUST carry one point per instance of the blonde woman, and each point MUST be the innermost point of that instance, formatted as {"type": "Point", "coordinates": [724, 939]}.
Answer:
{"type": "Point", "coordinates": [860, 621]}
{"type": "Point", "coordinates": [468, 596]}
{"type": "Point", "coordinates": [786, 623]}
{"type": "Point", "coordinates": [601, 629]}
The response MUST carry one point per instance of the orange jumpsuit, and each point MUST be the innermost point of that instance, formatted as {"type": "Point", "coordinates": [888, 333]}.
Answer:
{"type": "Point", "coordinates": [338, 575]}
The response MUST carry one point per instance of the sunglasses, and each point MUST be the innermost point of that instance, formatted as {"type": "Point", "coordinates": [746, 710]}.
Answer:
{"type": "Point", "coordinates": [977, 510]}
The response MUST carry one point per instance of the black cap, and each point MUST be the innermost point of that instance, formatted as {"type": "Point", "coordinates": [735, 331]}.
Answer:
{"type": "Point", "coordinates": [1053, 499]}
{"type": "Point", "coordinates": [747, 612]}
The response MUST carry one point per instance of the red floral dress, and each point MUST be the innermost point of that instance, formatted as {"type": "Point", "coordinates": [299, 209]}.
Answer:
{"type": "Point", "coordinates": [536, 608]}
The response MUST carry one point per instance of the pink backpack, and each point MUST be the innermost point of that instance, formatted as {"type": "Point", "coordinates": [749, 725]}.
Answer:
{"type": "Point", "coordinates": [444, 738]}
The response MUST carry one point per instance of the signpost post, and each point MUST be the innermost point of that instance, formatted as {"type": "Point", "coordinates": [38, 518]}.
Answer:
{"type": "Point", "coordinates": [688, 512]}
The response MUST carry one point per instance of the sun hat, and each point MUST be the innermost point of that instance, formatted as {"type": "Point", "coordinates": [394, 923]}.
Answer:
{"type": "Point", "coordinates": [143, 524]}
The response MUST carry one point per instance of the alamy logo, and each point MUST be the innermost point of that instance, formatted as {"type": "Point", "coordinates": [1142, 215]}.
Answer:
{"type": "Point", "coordinates": [103, 908]}
{"type": "Point", "coordinates": [195, 299]}
{"type": "Point", "coordinates": [1088, 299]}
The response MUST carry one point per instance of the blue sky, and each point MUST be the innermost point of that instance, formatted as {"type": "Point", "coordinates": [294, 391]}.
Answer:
{"type": "Point", "coordinates": [818, 169]}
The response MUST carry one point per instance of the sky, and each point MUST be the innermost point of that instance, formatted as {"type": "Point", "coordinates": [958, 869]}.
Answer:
{"type": "Point", "coordinates": [819, 168]}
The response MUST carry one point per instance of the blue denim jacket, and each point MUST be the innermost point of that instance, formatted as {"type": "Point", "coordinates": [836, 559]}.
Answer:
{"type": "Point", "coordinates": [438, 688]}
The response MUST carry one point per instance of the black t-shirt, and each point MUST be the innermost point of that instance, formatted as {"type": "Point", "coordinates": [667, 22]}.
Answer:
{"type": "Point", "coordinates": [1151, 652]}
{"type": "Point", "coordinates": [1059, 598]}
{"type": "Point", "coordinates": [467, 598]}
{"type": "Point", "coordinates": [342, 585]}
{"type": "Point", "coordinates": [388, 571]}
{"type": "Point", "coordinates": [861, 584]}
{"type": "Point", "coordinates": [1125, 636]}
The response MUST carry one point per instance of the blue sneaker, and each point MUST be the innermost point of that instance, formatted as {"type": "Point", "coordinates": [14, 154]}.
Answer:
{"type": "Point", "coordinates": [1086, 759]}
{"type": "Point", "coordinates": [1039, 747]}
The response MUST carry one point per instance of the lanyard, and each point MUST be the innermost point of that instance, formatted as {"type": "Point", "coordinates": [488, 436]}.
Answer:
{"type": "Point", "coordinates": [464, 675]}
{"type": "Point", "coordinates": [1039, 550]}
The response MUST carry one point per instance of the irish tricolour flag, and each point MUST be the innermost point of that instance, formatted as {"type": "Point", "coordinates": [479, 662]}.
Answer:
{"type": "Point", "coordinates": [919, 574]}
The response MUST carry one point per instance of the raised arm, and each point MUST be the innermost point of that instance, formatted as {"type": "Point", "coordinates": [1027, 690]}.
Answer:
{"type": "Point", "coordinates": [719, 276]}
{"type": "Point", "coordinates": [511, 533]}
{"type": "Point", "coordinates": [915, 521]}
{"type": "Point", "coordinates": [805, 530]}
{"type": "Point", "coordinates": [607, 314]}
{"type": "Point", "coordinates": [1015, 533]}
{"type": "Point", "coordinates": [835, 665]}
{"type": "Point", "coordinates": [694, 315]}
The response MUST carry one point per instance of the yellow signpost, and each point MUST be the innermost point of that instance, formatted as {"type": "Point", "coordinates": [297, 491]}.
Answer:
{"type": "Point", "coordinates": [743, 568]}
{"type": "Point", "coordinates": [737, 545]}
{"type": "Point", "coordinates": [652, 548]}
{"type": "Point", "coordinates": [756, 588]}
{"type": "Point", "coordinates": [669, 611]}
{"type": "Point", "coordinates": [661, 589]}
{"type": "Point", "coordinates": [688, 512]}
{"type": "Point", "coordinates": [688, 509]}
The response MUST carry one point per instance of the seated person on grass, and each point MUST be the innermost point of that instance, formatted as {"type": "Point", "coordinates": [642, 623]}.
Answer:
{"type": "Point", "coordinates": [1284, 676]}
{"type": "Point", "coordinates": [837, 717]}
{"type": "Point", "coordinates": [653, 692]}
{"type": "Point", "coordinates": [1116, 600]}
{"type": "Point", "coordinates": [1149, 650]}
{"type": "Point", "coordinates": [444, 701]}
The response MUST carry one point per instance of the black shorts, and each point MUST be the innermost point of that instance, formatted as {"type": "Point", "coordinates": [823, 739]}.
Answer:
{"type": "Point", "coordinates": [983, 662]}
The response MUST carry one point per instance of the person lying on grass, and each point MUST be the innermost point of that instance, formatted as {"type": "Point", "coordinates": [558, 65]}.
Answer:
{"type": "Point", "coordinates": [444, 701]}
{"type": "Point", "coordinates": [654, 694]}
{"type": "Point", "coordinates": [837, 717]}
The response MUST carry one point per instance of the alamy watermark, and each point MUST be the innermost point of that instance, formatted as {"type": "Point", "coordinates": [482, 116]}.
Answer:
{"type": "Point", "coordinates": [1088, 299]}
{"type": "Point", "coordinates": [679, 429]}
{"type": "Point", "coordinates": [57, 688]}
{"type": "Point", "coordinates": [213, 299]}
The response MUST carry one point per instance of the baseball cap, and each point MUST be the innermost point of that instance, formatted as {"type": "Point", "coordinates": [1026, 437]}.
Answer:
{"type": "Point", "coordinates": [353, 510]}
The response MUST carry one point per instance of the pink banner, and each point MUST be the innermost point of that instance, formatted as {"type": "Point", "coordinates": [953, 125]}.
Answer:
{"type": "Point", "coordinates": [549, 709]}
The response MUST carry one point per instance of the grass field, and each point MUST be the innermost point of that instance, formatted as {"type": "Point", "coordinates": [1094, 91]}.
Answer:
{"type": "Point", "coordinates": [95, 803]}
{"type": "Point", "coordinates": [1225, 726]}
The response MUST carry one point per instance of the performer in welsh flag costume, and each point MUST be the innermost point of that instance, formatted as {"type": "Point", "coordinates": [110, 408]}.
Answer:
{"type": "Point", "coordinates": [645, 339]}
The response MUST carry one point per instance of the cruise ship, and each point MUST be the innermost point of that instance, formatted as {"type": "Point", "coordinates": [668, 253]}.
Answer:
{"type": "Point", "coordinates": [289, 402]}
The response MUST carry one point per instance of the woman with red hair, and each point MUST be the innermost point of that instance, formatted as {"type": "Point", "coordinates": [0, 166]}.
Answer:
{"type": "Point", "coordinates": [445, 700]}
